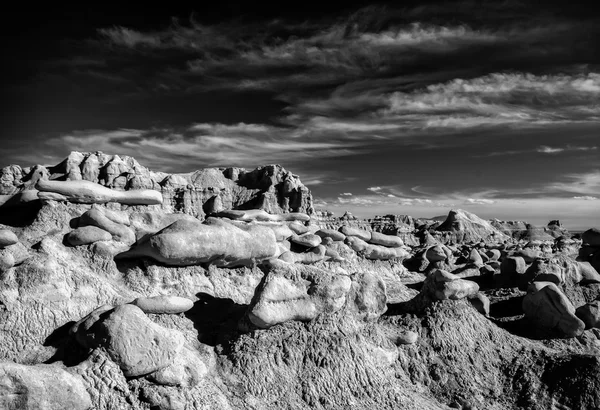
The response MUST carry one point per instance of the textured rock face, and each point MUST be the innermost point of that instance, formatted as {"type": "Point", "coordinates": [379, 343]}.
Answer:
{"type": "Point", "coordinates": [270, 188]}
{"type": "Point", "coordinates": [41, 387]}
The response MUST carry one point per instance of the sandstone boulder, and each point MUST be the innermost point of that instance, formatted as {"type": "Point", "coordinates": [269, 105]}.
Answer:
{"type": "Point", "coordinates": [135, 343]}
{"type": "Point", "coordinates": [390, 241]}
{"type": "Point", "coordinates": [374, 252]}
{"type": "Point", "coordinates": [87, 192]}
{"type": "Point", "coordinates": [436, 254]}
{"type": "Point", "coordinates": [96, 217]}
{"type": "Point", "coordinates": [298, 228]}
{"type": "Point", "coordinates": [217, 242]}
{"type": "Point", "coordinates": [442, 285]}
{"type": "Point", "coordinates": [163, 304]}
{"type": "Point", "coordinates": [356, 232]}
{"type": "Point", "coordinates": [295, 292]}
{"type": "Point", "coordinates": [308, 240]}
{"type": "Point", "coordinates": [86, 235]}
{"type": "Point", "coordinates": [547, 306]}
{"type": "Point", "coordinates": [331, 233]}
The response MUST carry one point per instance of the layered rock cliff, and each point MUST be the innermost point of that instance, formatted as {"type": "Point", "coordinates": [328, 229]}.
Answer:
{"type": "Point", "coordinates": [271, 188]}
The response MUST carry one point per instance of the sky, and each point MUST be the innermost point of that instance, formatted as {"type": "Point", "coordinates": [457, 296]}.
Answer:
{"type": "Point", "coordinates": [398, 107]}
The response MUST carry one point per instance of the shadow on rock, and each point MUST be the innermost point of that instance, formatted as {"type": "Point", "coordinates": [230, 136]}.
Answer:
{"type": "Point", "coordinates": [68, 350]}
{"type": "Point", "coordinates": [19, 216]}
{"type": "Point", "coordinates": [215, 319]}
{"type": "Point", "coordinates": [507, 308]}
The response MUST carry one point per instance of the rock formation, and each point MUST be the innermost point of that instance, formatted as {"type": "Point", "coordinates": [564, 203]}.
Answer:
{"type": "Point", "coordinates": [270, 188]}
{"type": "Point", "coordinates": [234, 294]}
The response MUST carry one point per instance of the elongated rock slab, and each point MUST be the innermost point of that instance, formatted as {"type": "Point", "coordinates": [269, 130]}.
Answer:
{"type": "Point", "coordinates": [87, 192]}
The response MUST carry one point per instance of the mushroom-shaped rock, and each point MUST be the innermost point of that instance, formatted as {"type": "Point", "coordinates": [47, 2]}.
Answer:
{"type": "Point", "coordinates": [41, 387]}
{"type": "Point", "coordinates": [138, 345]}
{"type": "Point", "coordinates": [436, 254]}
{"type": "Point", "coordinates": [86, 235]}
{"type": "Point", "coordinates": [331, 233]}
{"type": "Point", "coordinates": [163, 304]}
{"type": "Point", "coordinates": [589, 314]}
{"type": "Point", "coordinates": [442, 285]}
{"type": "Point", "coordinates": [547, 306]}
{"type": "Point", "coordinates": [7, 238]}
{"type": "Point", "coordinates": [390, 241]}
{"type": "Point", "coordinates": [185, 243]}
{"type": "Point", "coordinates": [359, 233]}
{"type": "Point", "coordinates": [591, 237]}
{"type": "Point", "coordinates": [96, 217]}
{"type": "Point", "coordinates": [87, 192]}
{"type": "Point", "coordinates": [296, 292]}
{"type": "Point", "coordinates": [308, 240]}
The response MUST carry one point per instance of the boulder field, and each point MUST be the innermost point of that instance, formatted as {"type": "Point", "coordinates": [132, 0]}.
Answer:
{"type": "Point", "coordinates": [125, 288]}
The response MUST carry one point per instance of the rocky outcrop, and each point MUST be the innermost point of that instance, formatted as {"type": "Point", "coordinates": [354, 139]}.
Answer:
{"type": "Point", "coordinates": [465, 226]}
{"type": "Point", "coordinates": [85, 175]}
{"type": "Point", "coordinates": [260, 308]}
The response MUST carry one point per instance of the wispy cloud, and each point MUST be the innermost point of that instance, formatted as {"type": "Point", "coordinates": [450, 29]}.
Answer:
{"type": "Point", "coordinates": [205, 145]}
{"type": "Point", "coordinates": [544, 149]}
